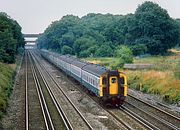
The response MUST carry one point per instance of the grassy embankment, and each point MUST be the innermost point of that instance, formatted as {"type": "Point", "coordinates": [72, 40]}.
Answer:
{"type": "Point", "coordinates": [7, 73]}
{"type": "Point", "coordinates": [163, 78]}
{"type": "Point", "coordinates": [7, 76]}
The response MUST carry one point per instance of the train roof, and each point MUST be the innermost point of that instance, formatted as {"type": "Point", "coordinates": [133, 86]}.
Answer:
{"type": "Point", "coordinates": [67, 58]}
{"type": "Point", "coordinates": [89, 67]}
{"type": "Point", "coordinates": [50, 52]}
{"type": "Point", "coordinates": [73, 60]}
{"type": "Point", "coordinates": [79, 63]}
{"type": "Point", "coordinates": [95, 69]}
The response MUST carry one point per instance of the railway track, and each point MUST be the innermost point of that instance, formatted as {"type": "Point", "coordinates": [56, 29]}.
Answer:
{"type": "Point", "coordinates": [128, 125]}
{"type": "Point", "coordinates": [128, 118]}
{"type": "Point", "coordinates": [124, 121]}
{"type": "Point", "coordinates": [34, 117]}
{"type": "Point", "coordinates": [26, 95]}
{"type": "Point", "coordinates": [55, 90]}
{"type": "Point", "coordinates": [158, 119]}
{"type": "Point", "coordinates": [36, 94]}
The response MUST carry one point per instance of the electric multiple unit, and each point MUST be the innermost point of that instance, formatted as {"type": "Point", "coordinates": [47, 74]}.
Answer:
{"type": "Point", "coordinates": [109, 85]}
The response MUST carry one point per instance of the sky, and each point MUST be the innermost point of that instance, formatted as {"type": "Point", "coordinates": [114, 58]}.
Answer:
{"type": "Point", "coordinates": [34, 16]}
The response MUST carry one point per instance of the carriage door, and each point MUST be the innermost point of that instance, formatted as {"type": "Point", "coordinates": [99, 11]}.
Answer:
{"type": "Point", "coordinates": [113, 85]}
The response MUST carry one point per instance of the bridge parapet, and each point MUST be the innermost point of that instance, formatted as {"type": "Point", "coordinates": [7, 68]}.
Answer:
{"type": "Point", "coordinates": [32, 35]}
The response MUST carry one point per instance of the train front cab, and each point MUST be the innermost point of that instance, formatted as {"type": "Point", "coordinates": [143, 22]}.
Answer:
{"type": "Point", "coordinates": [113, 87]}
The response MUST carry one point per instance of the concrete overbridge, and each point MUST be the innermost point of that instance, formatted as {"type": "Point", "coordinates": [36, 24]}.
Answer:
{"type": "Point", "coordinates": [31, 35]}
{"type": "Point", "coordinates": [31, 39]}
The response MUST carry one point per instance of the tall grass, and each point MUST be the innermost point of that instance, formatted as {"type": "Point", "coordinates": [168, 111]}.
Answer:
{"type": "Point", "coordinates": [162, 79]}
{"type": "Point", "coordinates": [7, 77]}
{"type": "Point", "coordinates": [156, 82]}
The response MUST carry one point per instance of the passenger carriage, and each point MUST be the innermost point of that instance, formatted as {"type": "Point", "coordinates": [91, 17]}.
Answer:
{"type": "Point", "coordinates": [109, 85]}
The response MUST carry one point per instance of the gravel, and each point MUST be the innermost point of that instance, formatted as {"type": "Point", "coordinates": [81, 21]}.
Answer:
{"type": "Point", "coordinates": [156, 100]}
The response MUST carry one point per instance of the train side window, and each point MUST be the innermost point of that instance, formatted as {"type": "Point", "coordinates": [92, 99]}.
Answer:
{"type": "Point", "coordinates": [113, 80]}
{"type": "Point", "coordinates": [104, 80]}
{"type": "Point", "coordinates": [122, 80]}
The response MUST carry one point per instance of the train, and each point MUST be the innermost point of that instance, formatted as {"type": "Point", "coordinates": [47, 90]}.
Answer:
{"type": "Point", "coordinates": [110, 86]}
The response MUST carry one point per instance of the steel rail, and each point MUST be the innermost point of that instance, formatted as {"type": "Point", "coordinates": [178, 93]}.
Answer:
{"type": "Point", "coordinates": [139, 119]}
{"type": "Point", "coordinates": [119, 120]}
{"type": "Point", "coordinates": [171, 115]}
{"type": "Point", "coordinates": [39, 96]}
{"type": "Point", "coordinates": [90, 127]}
{"type": "Point", "coordinates": [43, 99]}
{"type": "Point", "coordinates": [26, 96]}
{"type": "Point", "coordinates": [58, 107]}
{"type": "Point", "coordinates": [155, 117]}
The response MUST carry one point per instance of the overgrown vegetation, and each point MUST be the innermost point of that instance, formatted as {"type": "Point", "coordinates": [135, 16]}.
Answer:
{"type": "Point", "coordinates": [156, 82]}
{"type": "Point", "coordinates": [150, 30]}
{"type": "Point", "coordinates": [124, 55]}
{"type": "Point", "coordinates": [11, 38]}
{"type": "Point", "coordinates": [7, 73]}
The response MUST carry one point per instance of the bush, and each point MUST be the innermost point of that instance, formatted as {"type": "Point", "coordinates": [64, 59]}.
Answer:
{"type": "Point", "coordinates": [116, 64]}
{"type": "Point", "coordinates": [124, 53]}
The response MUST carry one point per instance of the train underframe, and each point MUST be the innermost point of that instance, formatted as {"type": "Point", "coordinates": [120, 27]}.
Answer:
{"type": "Point", "coordinates": [114, 101]}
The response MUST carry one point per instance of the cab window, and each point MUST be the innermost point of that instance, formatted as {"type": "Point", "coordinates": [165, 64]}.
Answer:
{"type": "Point", "coordinates": [113, 80]}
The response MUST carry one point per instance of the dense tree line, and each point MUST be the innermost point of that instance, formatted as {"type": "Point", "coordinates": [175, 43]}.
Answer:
{"type": "Point", "coordinates": [150, 30]}
{"type": "Point", "coordinates": [11, 38]}
{"type": "Point", "coordinates": [178, 21]}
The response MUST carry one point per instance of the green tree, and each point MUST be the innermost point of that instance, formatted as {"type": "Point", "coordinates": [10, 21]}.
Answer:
{"type": "Point", "coordinates": [11, 38]}
{"type": "Point", "coordinates": [66, 50]}
{"type": "Point", "coordinates": [124, 54]}
{"type": "Point", "coordinates": [82, 44]}
{"type": "Point", "coordinates": [104, 51]}
{"type": "Point", "coordinates": [149, 30]}
{"type": "Point", "coordinates": [178, 22]}
{"type": "Point", "coordinates": [153, 25]}
{"type": "Point", "coordinates": [84, 53]}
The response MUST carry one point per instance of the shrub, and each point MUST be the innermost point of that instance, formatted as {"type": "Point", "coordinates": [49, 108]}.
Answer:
{"type": "Point", "coordinates": [124, 55]}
